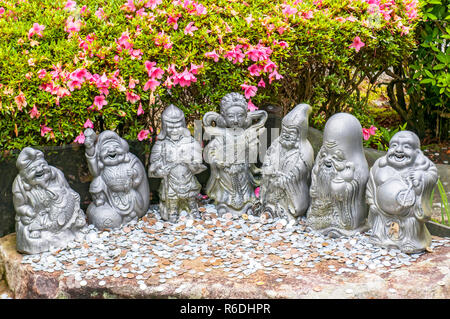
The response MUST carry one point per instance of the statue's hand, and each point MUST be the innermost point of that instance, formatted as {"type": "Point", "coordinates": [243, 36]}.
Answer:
{"type": "Point", "coordinates": [90, 138]}
{"type": "Point", "coordinates": [416, 178]}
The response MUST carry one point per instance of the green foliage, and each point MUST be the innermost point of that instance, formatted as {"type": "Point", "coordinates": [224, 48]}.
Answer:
{"type": "Point", "coordinates": [309, 43]}
{"type": "Point", "coordinates": [445, 208]}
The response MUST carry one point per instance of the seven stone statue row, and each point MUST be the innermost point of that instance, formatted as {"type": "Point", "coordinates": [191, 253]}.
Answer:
{"type": "Point", "coordinates": [337, 192]}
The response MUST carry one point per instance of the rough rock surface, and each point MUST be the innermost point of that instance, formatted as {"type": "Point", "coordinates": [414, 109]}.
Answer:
{"type": "Point", "coordinates": [427, 277]}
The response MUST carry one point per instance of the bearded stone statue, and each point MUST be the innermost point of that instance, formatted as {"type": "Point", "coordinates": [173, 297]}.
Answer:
{"type": "Point", "coordinates": [176, 157]}
{"type": "Point", "coordinates": [287, 167]}
{"type": "Point", "coordinates": [339, 178]}
{"type": "Point", "coordinates": [120, 189]}
{"type": "Point", "coordinates": [48, 213]}
{"type": "Point", "coordinates": [232, 154]}
{"type": "Point", "coordinates": [398, 193]}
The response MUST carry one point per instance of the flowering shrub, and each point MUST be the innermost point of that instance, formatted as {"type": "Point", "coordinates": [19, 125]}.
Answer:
{"type": "Point", "coordinates": [66, 65]}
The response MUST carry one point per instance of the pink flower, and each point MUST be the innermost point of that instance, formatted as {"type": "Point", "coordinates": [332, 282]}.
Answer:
{"type": "Point", "coordinates": [88, 124]}
{"type": "Point", "coordinates": [124, 41]}
{"type": "Point", "coordinates": [235, 55]}
{"type": "Point", "coordinates": [174, 20]}
{"type": "Point", "coordinates": [41, 73]}
{"type": "Point", "coordinates": [258, 53]}
{"type": "Point", "coordinates": [257, 190]}
{"type": "Point", "coordinates": [288, 10]}
{"type": "Point", "coordinates": [132, 97]}
{"type": "Point", "coordinates": [20, 100]}
{"type": "Point", "coordinates": [269, 66]}
{"type": "Point", "coordinates": [99, 102]}
{"type": "Point", "coordinates": [143, 134]}
{"type": "Point", "coordinates": [255, 69]}
{"type": "Point", "coordinates": [357, 44]}
{"type": "Point", "coordinates": [184, 78]}
{"type": "Point", "coordinates": [194, 68]}
{"type": "Point", "coordinates": [2, 10]}
{"type": "Point", "coordinates": [45, 130]}
{"type": "Point", "coordinates": [249, 90]}
{"type": "Point", "coordinates": [36, 29]}
{"type": "Point", "coordinates": [136, 54]}
{"type": "Point", "coordinates": [140, 110]}
{"type": "Point", "coordinates": [249, 20]}
{"type": "Point", "coordinates": [100, 14]}
{"type": "Point", "coordinates": [80, 138]}
{"type": "Point", "coordinates": [128, 6]}
{"type": "Point", "coordinates": [70, 5]}
{"type": "Point", "coordinates": [153, 72]}
{"type": "Point", "coordinates": [190, 28]}
{"type": "Point", "coordinates": [133, 83]}
{"type": "Point", "coordinates": [153, 4]}
{"type": "Point", "coordinates": [367, 133]}
{"type": "Point", "coordinates": [261, 83]}
{"type": "Point", "coordinates": [251, 107]}
{"type": "Point", "coordinates": [274, 76]}
{"type": "Point", "coordinates": [34, 113]}
{"type": "Point", "coordinates": [72, 26]}
{"type": "Point", "coordinates": [212, 55]}
{"type": "Point", "coordinates": [151, 84]}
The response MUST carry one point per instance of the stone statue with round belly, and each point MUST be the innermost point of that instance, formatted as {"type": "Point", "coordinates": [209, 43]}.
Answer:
{"type": "Point", "coordinates": [398, 193]}
{"type": "Point", "coordinates": [338, 180]}
{"type": "Point", "coordinates": [120, 189]}
{"type": "Point", "coordinates": [286, 171]}
{"type": "Point", "coordinates": [48, 213]}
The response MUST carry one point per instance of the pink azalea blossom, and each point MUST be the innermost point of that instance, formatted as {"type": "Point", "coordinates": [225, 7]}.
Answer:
{"type": "Point", "coordinates": [153, 72]}
{"type": "Point", "coordinates": [36, 29]}
{"type": "Point", "coordinates": [190, 28]}
{"type": "Point", "coordinates": [136, 54]}
{"type": "Point", "coordinates": [367, 133]}
{"type": "Point", "coordinates": [88, 124]}
{"type": "Point", "coordinates": [357, 44]}
{"type": "Point", "coordinates": [20, 100]}
{"type": "Point", "coordinates": [129, 6]}
{"type": "Point", "coordinates": [249, 90]}
{"type": "Point", "coordinates": [143, 134]}
{"type": "Point", "coordinates": [100, 14]}
{"type": "Point", "coordinates": [80, 138]}
{"type": "Point", "coordinates": [45, 130]}
{"type": "Point", "coordinates": [184, 78]}
{"type": "Point", "coordinates": [70, 5]}
{"type": "Point", "coordinates": [235, 55]}
{"type": "Point", "coordinates": [72, 26]}
{"type": "Point", "coordinates": [124, 41]}
{"type": "Point", "coordinates": [288, 10]}
{"type": "Point", "coordinates": [212, 55]}
{"type": "Point", "coordinates": [152, 4]}
{"type": "Point", "coordinates": [308, 15]}
{"type": "Point", "coordinates": [2, 10]}
{"type": "Point", "coordinates": [261, 83]}
{"type": "Point", "coordinates": [132, 83]}
{"type": "Point", "coordinates": [84, 11]}
{"type": "Point", "coordinates": [249, 20]}
{"type": "Point", "coordinates": [274, 76]}
{"type": "Point", "coordinates": [255, 69]}
{"type": "Point", "coordinates": [251, 107]}
{"type": "Point", "coordinates": [151, 84]}
{"type": "Point", "coordinates": [140, 110]}
{"type": "Point", "coordinates": [132, 97]}
{"type": "Point", "coordinates": [174, 20]}
{"type": "Point", "coordinates": [269, 66]}
{"type": "Point", "coordinates": [99, 102]}
{"type": "Point", "coordinates": [34, 113]}
{"type": "Point", "coordinates": [194, 68]}
{"type": "Point", "coordinates": [41, 73]}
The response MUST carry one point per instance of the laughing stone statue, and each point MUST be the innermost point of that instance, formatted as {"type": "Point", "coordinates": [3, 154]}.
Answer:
{"type": "Point", "coordinates": [177, 158]}
{"type": "Point", "coordinates": [120, 189]}
{"type": "Point", "coordinates": [287, 167]}
{"type": "Point", "coordinates": [48, 213]}
{"type": "Point", "coordinates": [232, 154]}
{"type": "Point", "coordinates": [339, 178]}
{"type": "Point", "coordinates": [398, 193]}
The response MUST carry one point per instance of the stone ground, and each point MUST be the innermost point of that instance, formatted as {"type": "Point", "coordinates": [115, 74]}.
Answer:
{"type": "Point", "coordinates": [225, 257]}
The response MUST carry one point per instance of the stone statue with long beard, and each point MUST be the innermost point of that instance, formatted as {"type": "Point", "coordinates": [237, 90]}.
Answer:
{"type": "Point", "coordinates": [48, 213]}
{"type": "Point", "coordinates": [398, 193]}
{"type": "Point", "coordinates": [339, 178]}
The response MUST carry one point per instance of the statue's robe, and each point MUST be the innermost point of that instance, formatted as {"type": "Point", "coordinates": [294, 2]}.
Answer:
{"type": "Point", "coordinates": [397, 214]}
{"type": "Point", "coordinates": [53, 211]}
{"type": "Point", "coordinates": [292, 197]}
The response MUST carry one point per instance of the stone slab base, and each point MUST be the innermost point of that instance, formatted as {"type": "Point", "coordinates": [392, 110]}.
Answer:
{"type": "Point", "coordinates": [426, 278]}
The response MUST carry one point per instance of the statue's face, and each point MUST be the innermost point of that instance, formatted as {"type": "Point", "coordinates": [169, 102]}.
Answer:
{"type": "Point", "coordinates": [235, 117]}
{"type": "Point", "coordinates": [289, 137]}
{"type": "Point", "coordinates": [174, 130]}
{"type": "Point", "coordinates": [402, 151]}
{"type": "Point", "coordinates": [331, 158]}
{"type": "Point", "coordinates": [112, 153]}
{"type": "Point", "coordinates": [37, 173]}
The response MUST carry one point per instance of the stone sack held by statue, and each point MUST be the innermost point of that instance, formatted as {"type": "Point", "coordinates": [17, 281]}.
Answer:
{"type": "Point", "coordinates": [398, 193]}
{"type": "Point", "coordinates": [120, 189]}
{"type": "Point", "coordinates": [232, 154]}
{"type": "Point", "coordinates": [338, 180]}
{"type": "Point", "coordinates": [286, 171]}
{"type": "Point", "coordinates": [176, 157]}
{"type": "Point", "coordinates": [48, 213]}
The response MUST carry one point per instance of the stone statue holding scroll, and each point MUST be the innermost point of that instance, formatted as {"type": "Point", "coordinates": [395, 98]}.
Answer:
{"type": "Point", "coordinates": [120, 189]}
{"type": "Point", "coordinates": [48, 213]}
{"type": "Point", "coordinates": [398, 193]}
{"type": "Point", "coordinates": [286, 172]}
{"type": "Point", "coordinates": [338, 180]}
{"type": "Point", "coordinates": [232, 154]}
{"type": "Point", "coordinates": [176, 157]}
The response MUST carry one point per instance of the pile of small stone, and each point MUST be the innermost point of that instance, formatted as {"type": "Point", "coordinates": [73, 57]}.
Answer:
{"type": "Point", "coordinates": [152, 251]}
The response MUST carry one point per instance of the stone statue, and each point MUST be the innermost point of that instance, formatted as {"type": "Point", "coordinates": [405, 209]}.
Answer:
{"type": "Point", "coordinates": [286, 171]}
{"type": "Point", "coordinates": [48, 213]}
{"type": "Point", "coordinates": [232, 154]}
{"type": "Point", "coordinates": [338, 180]}
{"type": "Point", "coordinates": [120, 189]}
{"type": "Point", "coordinates": [398, 193]}
{"type": "Point", "coordinates": [176, 157]}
